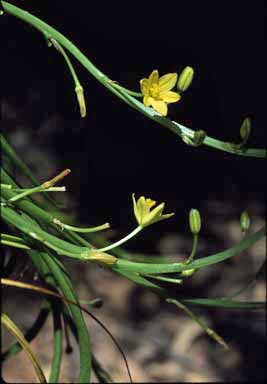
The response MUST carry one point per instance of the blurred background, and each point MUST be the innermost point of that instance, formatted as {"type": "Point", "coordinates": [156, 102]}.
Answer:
{"type": "Point", "coordinates": [115, 151]}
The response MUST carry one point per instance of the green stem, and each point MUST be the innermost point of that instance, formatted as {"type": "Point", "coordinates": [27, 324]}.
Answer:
{"type": "Point", "coordinates": [57, 356]}
{"type": "Point", "coordinates": [24, 194]}
{"type": "Point", "coordinates": [81, 230]}
{"type": "Point", "coordinates": [61, 246]}
{"type": "Point", "coordinates": [38, 213]}
{"type": "Point", "coordinates": [250, 282]}
{"type": "Point", "coordinates": [126, 238]}
{"type": "Point", "coordinates": [67, 60]}
{"type": "Point", "coordinates": [14, 244]}
{"type": "Point", "coordinates": [16, 332]}
{"type": "Point", "coordinates": [224, 302]}
{"type": "Point", "coordinates": [101, 374]}
{"type": "Point", "coordinates": [175, 127]}
{"type": "Point", "coordinates": [6, 186]}
{"type": "Point", "coordinates": [132, 93]}
{"type": "Point", "coordinates": [66, 287]}
{"type": "Point", "coordinates": [194, 249]}
{"type": "Point", "coordinates": [167, 279]}
{"type": "Point", "coordinates": [16, 239]}
{"type": "Point", "coordinates": [22, 166]}
{"type": "Point", "coordinates": [146, 268]}
{"type": "Point", "coordinates": [30, 191]}
{"type": "Point", "coordinates": [204, 326]}
{"type": "Point", "coordinates": [31, 333]}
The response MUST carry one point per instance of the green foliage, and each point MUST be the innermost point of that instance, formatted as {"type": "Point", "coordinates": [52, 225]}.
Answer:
{"type": "Point", "coordinates": [36, 227]}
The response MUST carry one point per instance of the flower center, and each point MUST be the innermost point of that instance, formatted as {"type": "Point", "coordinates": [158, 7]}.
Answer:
{"type": "Point", "coordinates": [154, 91]}
{"type": "Point", "coordinates": [150, 203]}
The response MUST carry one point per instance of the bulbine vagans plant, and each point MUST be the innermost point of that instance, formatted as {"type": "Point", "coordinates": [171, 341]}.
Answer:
{"type": "Point", "coordinates": [37, 229]}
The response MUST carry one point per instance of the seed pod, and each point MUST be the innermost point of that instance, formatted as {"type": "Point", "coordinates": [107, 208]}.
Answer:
{"type": "Point", "coordinates": [245, 128]}
{"type": "Point", "coordinates": [185, 79]}
{"type": "Point", "coordinates": [244, 221]}
{"type": "Point", "coordinates": [194, 221]}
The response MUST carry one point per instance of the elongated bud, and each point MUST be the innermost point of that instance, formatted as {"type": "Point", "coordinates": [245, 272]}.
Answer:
{"type": "Point", "coordinates": [199, 137]}
{"type": "Point", "coordinates": [194, 221]}
{"type": "Point", "coordinates": [185, 79]}
{"type": "Point", "coordinates": [245, 129]}
{"type": "Point", "coordinates": [244, 222]}
{"type": "Point", "coordinates": [81, 101]}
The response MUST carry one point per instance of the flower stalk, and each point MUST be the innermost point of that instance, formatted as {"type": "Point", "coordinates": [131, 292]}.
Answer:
{"type": "Point", "coordinates": [78, 88]}
{"type": "Point", "coordinates": [176, 128]}
{"type": "Point", "coordinates": [121, 241]}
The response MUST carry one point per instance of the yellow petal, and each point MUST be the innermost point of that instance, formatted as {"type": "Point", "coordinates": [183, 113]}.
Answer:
{"type": "Point", "coordinates": [150, 203]}
{"type": "Point", "coordinates": [154, 77]}
{"type": "Point", "coordinates": [144, 86]}
{"type": "Point", "coordinates": [168, 81]}
{"type": "Point", "coordinates": [147, 101]}
{"type": "Point", "coordinates": [159, 106]}
{"type": "Point", "coordinates": [170, 97]}
{"type": "Point", "coordinates": [143, 208]}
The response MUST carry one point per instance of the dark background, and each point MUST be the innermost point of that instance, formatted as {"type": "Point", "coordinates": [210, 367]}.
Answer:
{"type": "Point", "coordinates": [116, 151]}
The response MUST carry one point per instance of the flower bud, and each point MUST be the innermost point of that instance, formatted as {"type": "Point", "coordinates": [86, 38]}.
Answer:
{"type": "Point", "coordinates": [81, 101]}
{"type": "Point", "coordinates": [244, 221]}
{"type": "Point", "coordinates": [194, 221]}
{"type": "Point", "coordinates": [245, 128]}
{"type": "Point", "coordinates": [199, 137]}
{"type": "Point", "coordinates": [185, 79]}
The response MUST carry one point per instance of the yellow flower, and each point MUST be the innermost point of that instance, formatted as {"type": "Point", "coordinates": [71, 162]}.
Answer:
{"type": "Point", "coordinates": [143, 213]}
{"type": "Point", "coordinates": [157, 91]}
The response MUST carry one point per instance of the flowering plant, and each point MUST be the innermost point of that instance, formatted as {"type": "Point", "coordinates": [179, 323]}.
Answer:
{"type": "Point", "coordinates": [35, 226]}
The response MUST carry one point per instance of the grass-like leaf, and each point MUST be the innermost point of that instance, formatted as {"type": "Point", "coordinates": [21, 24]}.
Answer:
{"type": "Point", "coordinates": [16, 332]}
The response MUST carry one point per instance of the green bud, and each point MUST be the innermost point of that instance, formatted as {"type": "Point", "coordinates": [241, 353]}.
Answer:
{"type": "Point", "coordinates": [194, 221]}
{"type": "Point", "coordinates": [187, 273]}
{"type": "Point", "coordinates": [185, 79]}
{"type": "Point", "coordinates": [199, 137]}
{"type": "Point", "coordinates": [244, 221]}
{"type": "Point", "coordinates": [245, 128]}
{"type": "Point", "coordinates": [81, 101]}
